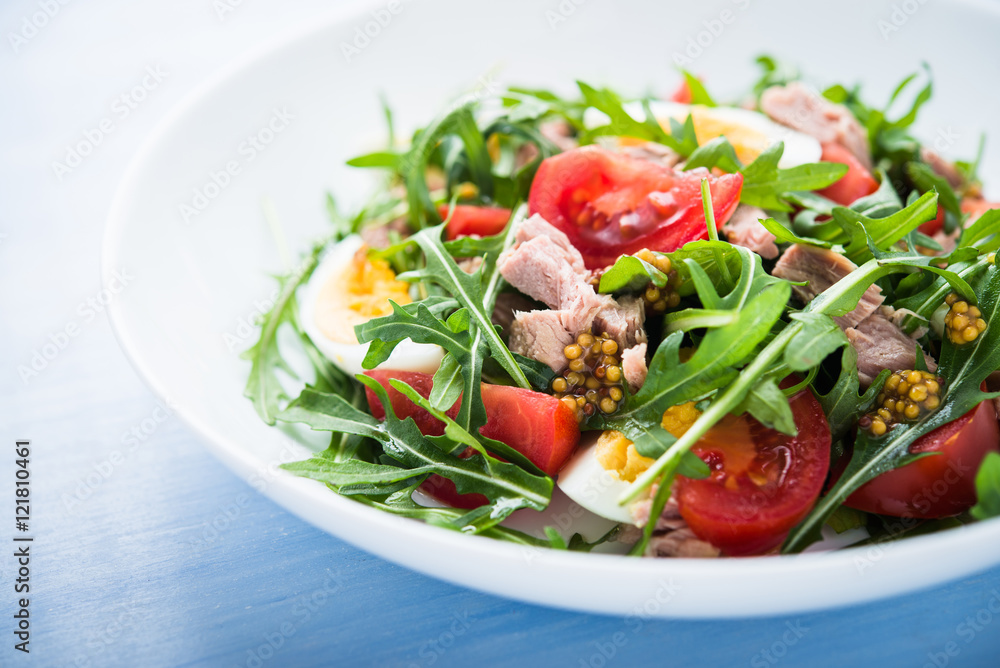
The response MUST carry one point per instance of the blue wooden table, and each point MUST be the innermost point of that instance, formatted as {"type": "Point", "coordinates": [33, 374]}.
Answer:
{"type": "Point", "coordinates": [148, 552]}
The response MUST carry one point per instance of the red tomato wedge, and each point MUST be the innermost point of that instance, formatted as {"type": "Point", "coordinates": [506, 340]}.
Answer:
{"type": "Point", "coordinates": [856, 183]}
{"type": "Point", "coordinates": [611, 204]}
{"type": "Point", "coordinates": [762, 482]}
{"type": "Point", "coordinates": [537, 425]}
{"type": "Point", "coordinates": [940, 485]}
{"type": "Point", "coordinates": [467, 219]}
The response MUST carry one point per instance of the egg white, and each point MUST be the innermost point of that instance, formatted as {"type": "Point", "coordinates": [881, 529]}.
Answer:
{"type": "Point", "coordinates": [590, 485]}
{"type": "Point", "coordinates": [800, 148]}
{"type": "Point", "coordinates": [408, 356]}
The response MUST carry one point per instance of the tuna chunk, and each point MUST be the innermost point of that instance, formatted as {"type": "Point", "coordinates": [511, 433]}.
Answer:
{"type": "Point", "coordinates": [622, 320]}
{"type": "Point", "coordinates": [545, 266]}
{"type": "Point", "coordinates": [652, 152]}
{"type": "Point", "coordinates": [672, 537]}
{"type": "Point", "coordinates": [536, 227]}
{"type": "Point", "coordinates": [821, 268]}
{"type": "Point", "coordinates": [883, 345]}
{"type": "Point", "coordinates": [634, 366]}
{"type": "Point", "coordinates": [802, 109]}
{"type": "Point", "coordinates": [559, 133]}
{"type": "Point", "coordinates": [542, 336]}
{"type": "Point", "coordinates": [744, 229]}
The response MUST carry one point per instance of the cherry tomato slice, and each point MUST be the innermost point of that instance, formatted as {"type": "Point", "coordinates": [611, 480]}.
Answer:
{"type": "Point", "coordinates": [762, 483]}
{"type": "Point", "coordinates": [856, 183]}
{"type": "Point", "coordinates": [467, 219]}
{"type": "Point", "coordinates": [537, 425]}
{"type": "Point", "coordinates": [939, 485]}
{"type": "Point", "coordinates": [611, 204]}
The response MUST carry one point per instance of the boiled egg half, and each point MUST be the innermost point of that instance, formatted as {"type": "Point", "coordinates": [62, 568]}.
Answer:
{"type": "Point", "coordinates": [600, 471]}
{"type": "Point", "coordinates": [347, 289]}
{"type": "Point", "coordinates": [750, 132]}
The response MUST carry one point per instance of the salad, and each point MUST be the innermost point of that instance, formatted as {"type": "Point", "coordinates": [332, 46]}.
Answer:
{"type": "Point", "coordinates": [729, 330]}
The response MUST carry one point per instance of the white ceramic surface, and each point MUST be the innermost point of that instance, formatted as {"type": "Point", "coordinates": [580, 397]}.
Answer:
{"type": "Point", "coordinates": [197, 283]}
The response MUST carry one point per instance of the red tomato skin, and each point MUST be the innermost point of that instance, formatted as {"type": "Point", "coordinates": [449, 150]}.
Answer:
{"type": "Point", "coordinates": [615, 184]}
{"type": "Point", "coordinates": [401, 405]}
{"type": "Point", "coordinates": [856, 183]}
{"type": "Point", "coordinates": [537, 425]}
{"type": "Point", "coordinates": [467, 220]}
{"type": "Point", "coordinates": [939, 485]}
{"type": "Point", "coordinates": [683, 93]}
{"type": "Point", "coordinates": [932, 227]}
{"type": "Point", "coordinates": [754, 520]}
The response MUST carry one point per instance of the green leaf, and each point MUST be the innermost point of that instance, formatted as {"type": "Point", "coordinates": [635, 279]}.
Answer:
{"type": "Point", "coordinates": [378, 159]}
{"type": "Point", "coordinates": [263, 386]}
{"type": "Point", "coordinates": [843, 404]}
{"type": "Point", "coordinates": [352, 471]}
{"type": "Point", "coordinates": [987, 488]}
{"type": "Point", "coordinates": [784, 235]}
{"type": "Point", "coordinates": [769, 405]}
{"type": "Point", "coordinates": [630, 274]}
{"type": "Point", "coordinates": [986, 227]}
{"type": "Point", "coordinates": [698, 93]}
{"type": "Point", "coordinates": [819, 337]}
{"type": "Point", "coordinates": [767, 186]}
{"type": "Point", "coordinates": [927, 180]}
{"type": "Point", "coordinates": [717, 152]}
{"type": "Point", "coordinates": [323, 411]}
{"type": "Point", "coordinates": [447, 383]}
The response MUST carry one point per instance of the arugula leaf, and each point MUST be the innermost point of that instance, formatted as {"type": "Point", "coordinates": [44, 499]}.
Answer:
{"type": "Point", "coordinates": [767, 186]}
{"type": "Point", "coordinates": [630, 274]}
{"type": "Point", "coordinates": [400, 504]}
{"type": "Point", "coordinates": [843, 403]}
{"type": "Point", "coordinates": [774, 73]}
{"type": "Point", "coordinates": [987, 488]}
{"type": "Point", "coordinates": [926, 180]}
{"type": "Point", "coordinates": [263, 386]}
{"type": "Point", "coordinates": [983, 233]}
{"type": "Point", "coordinates": [353, 471]}
{"type": "Point", "coordinates": [768, 404]}
{"type": "Point", "coordinates": [508, 486]}
{"type": "Point", "coordinates": [819, 336]}
{"type": "Point", "coordinates": [717, 152]}
{"type": "Point", "coordinates": [698, 93]}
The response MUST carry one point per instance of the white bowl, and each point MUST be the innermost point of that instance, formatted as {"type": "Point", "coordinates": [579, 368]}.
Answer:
{"type": "Point", "coordinates": [310, 106]}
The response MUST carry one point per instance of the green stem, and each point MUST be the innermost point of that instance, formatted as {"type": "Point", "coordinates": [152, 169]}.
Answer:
{"type": "Point", "coordinates": [713, 233]}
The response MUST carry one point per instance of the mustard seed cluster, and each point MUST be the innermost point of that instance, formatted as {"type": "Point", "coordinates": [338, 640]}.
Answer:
{"type": "Point", "coordinates": [904, 397]}
{"type": "Point", "coordinates": [962, 323]}
{"type": "Point", "coordinates": [593, 379]}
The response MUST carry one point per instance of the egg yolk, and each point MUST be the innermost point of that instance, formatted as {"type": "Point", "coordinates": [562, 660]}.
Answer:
{"type": "Point", "coordinates": [617, 454]}
{"type": "Point", "coordinates": [356, 295]}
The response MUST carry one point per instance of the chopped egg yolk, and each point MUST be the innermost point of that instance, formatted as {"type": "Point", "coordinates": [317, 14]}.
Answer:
{"type": "Point", "coordinates": [358, 294]}
{"type": "Point", "coordinates": [617, 454]}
